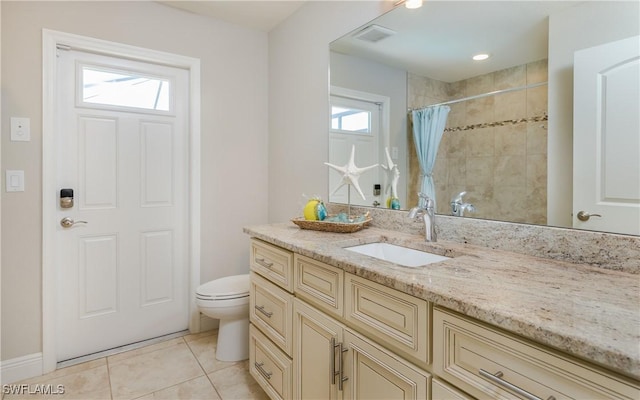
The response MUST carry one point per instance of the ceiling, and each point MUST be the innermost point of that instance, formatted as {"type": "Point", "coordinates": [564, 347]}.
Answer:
{"type": "Point", "coordinates": [439, 39]}
{"type": "Point", "coordinates": [436, 40]}
{"type": "Point", "coordinates": [262, 15]}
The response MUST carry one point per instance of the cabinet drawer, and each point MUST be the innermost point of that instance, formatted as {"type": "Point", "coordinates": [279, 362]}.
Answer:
{"type": "Point", "coordinates": [442, 391]}
{"type": "Point", "coordinates": [489, 363]}
{"type": "Point", "coordinates": [396, 320]}
{"type": "Point", "coordinates": [270, 367]}
{"type": "Point", "coordinates": [273, 263]}
{"type": "Point", "coordinates": [319, 284]}
{"type": "Point", "coordinates": [271, 309]}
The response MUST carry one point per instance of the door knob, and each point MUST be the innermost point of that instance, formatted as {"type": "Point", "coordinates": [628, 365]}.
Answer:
{"type": "Point", "coordinates": [68, 222]}
{"type": "Point", "coordinates": [584, 216]}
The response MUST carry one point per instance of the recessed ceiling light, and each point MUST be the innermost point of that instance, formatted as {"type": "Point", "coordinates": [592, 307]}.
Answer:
{"type": "Point", "coordinates": [480, 57]}
{"type": "Point", "coordinates": [413, 3]}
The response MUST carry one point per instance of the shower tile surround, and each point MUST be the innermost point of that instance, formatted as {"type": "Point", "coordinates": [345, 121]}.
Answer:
{"type": "Point", "coordinates": [573, 290]}
{"type": "Point", "coordinates": [495, 147]}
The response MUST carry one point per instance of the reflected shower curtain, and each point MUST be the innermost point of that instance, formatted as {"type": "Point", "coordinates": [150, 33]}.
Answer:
{"type": "Point", "coordinates": [428, 127]}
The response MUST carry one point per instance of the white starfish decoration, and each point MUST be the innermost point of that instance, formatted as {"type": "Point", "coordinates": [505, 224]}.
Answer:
{"type": "Point", "coordinates": [350, 173]}
{"type": "Point", "coordinates": [393, 175]}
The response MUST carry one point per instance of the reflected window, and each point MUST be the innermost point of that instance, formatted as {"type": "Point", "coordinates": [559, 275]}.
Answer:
{"type": "Point", "coordinates": [124, 89]}
{"type": "Point", "coordinates": [350, 119]}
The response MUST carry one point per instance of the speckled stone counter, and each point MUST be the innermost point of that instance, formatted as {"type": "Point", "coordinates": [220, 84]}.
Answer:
{"type": "Point", "coordinates": [591, 313]}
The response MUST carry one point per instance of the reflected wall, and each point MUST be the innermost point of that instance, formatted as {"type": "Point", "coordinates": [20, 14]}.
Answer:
{"type": "Point", "coordinates": [494, 148]}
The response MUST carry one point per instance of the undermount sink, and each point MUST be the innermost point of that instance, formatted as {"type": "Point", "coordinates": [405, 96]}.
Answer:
{"type": "Point", "coordinates": [397, 254]}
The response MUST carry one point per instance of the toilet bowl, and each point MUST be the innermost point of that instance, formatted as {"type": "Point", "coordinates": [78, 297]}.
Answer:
{"type": "Point", "coordinates": [227, 299]}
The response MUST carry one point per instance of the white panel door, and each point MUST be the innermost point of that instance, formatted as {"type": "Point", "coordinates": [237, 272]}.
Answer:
{"type": "Point", "coordinates": [364, 134]}
{"type": "Point", "coordinates": [606, 134]}
{"type": "Point", "coordinates": [122, 146]}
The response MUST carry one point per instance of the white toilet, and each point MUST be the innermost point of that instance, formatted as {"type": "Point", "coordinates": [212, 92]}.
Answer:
{"type": "Point", "coordinates": [227, 299]}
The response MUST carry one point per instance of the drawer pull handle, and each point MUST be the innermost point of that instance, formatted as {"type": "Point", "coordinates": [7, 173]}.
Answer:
{"type": "Point", "coordinates": [497, 379]}
{"type": "Point", "coordinates": [261, 261]}
{"type": "Point", "coordinates": [332, 369]}
{"type": "Point", "coordinates": [332, 361]}
{"type": "Point", "coordinates": [261, 309]}
{"type": "Point", "coordinates": [264, 373]}
{"type": "Point", "coordinates": [343, 378]}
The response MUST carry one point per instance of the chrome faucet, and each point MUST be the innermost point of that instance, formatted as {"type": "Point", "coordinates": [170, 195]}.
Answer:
{"type": "Point", "coordinates": [428, 217]}
{"type": "Point", "coordinates": [458, 207]}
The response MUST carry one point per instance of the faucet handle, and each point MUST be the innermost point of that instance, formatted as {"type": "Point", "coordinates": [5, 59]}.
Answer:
{"type": "Point", "coordinates": [428, 201]}
{"type": "Point", "coordinates": [457, 198]}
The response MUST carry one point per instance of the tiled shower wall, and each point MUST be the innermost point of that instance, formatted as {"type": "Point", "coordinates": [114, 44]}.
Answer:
{"type": "Point", "coordinates": [503, 168]}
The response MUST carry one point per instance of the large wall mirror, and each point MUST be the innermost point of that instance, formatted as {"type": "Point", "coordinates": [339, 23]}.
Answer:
{"type": "Point", "coordinates": [506, 150]}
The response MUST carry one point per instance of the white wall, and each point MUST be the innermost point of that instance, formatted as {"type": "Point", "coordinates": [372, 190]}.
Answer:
{"type": "Point", "coordinates": [234, 121]}
{"type": "Point", "coordinates": [299, 99]}
{"type": "Point", "coordinates": [584, 25]}
{"type": "Point", "coordinates": [364, 75]}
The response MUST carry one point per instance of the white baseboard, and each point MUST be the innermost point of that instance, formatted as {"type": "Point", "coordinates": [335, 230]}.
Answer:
{"type": "Point", "coordinates": [207, 324]}
{"type": "Point", "coordinates": [17, 369]}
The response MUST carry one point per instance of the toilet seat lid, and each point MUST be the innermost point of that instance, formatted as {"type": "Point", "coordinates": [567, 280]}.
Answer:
{"type": "Point", "coordinates": [229, 287]}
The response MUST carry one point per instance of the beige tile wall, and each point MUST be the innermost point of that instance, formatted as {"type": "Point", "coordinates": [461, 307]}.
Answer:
{"type": "Point", "coordinates": [503, 169]}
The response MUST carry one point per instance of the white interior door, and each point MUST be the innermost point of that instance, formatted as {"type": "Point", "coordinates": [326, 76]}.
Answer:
{"type": "Point", "coordinates": [355, 123]}
{"type": "Point", "coordinates": [606, 134]}
{"type": "Point", "coordinates": [122, 146]}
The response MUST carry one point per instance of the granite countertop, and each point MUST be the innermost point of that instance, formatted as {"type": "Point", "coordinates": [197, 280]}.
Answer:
{"type": "Point", "coordinates": [591, 313]}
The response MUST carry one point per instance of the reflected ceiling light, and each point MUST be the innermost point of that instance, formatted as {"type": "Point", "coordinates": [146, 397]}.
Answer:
{"type": "Point", "coordinates": [480, 57]}
{"type": "Point", "coordinates": [413, 3]}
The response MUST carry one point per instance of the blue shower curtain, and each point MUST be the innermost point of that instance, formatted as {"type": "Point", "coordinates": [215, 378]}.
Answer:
{"type": "Point", "coordinates": [428, 127]}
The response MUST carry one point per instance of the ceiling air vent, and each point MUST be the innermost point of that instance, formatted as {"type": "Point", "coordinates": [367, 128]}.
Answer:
{"type": "Point", "coordinates": [374, 33]}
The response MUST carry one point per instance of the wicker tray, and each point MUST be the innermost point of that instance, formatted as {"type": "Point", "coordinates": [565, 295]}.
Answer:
{"type": "Point", "coordinates": [338, 227]}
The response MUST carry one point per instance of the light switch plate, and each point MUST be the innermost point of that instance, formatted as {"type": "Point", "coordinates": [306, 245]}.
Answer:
{"type": "Point", "coordinates": [20, 129]}
{"type": "Point", "coordinates": [14, 180]}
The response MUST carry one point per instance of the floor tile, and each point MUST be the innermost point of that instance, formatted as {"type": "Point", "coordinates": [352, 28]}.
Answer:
{"type": "Point", "coordinates": [204, 348]}
{"type": "Point", "coordinates": [174, 369]}
{"type": "Point", "coordinates": [88, 384]}
{"type": "Point", "coordinates": [234, 383]}
{"type": "Point", "coordinates": [153, 371]}
{"type": "Point", "coordinates": [195, 336]}
{"type": "Point", "coordinates": [195, 389]}
{"type": "Point", "coordinates": [72, 369]}
{"type": "Point", "coordinates": [116, 358]}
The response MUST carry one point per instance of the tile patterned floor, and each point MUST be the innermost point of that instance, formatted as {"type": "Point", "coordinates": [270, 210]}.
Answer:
{"type": "Point", "coordinates": [179, 368]}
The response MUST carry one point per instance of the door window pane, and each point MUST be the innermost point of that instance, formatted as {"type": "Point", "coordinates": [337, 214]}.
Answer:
{"type": "Point", "coordinates": [350, 119]}
{"type": "Point", "coordinates": [122, 89]}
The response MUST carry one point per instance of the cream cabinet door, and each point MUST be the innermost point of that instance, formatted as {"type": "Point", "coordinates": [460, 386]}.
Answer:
{"type": "Point", "coordinates": [375, 373]}
{"type": "Point", "coordinates": [316, 339]}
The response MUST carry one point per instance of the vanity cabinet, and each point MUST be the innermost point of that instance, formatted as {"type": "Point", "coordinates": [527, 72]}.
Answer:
{"type": "Point", "coordinates": [270, 316]}
{"type": "Point", "coordinates": [298, 323]}
{"type": "Point", "coordinates": [335, 362]}
{"type": "Point", "coordinates": [489, 363]}
{"type": "Point", "coordinates": [318, 332]}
